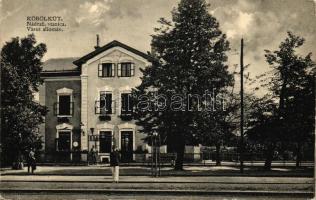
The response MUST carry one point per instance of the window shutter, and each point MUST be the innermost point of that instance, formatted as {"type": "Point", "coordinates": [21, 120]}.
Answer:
{"type": "Point", "coordinates": [119, 72]}
{"type": "Point", "coordinates": [132, 69]}
{"type": "Point", "coordinates": [113, 70]}
{"type": "Point", "coordinates": [113, 107]}
{"type": "Point", "coordinates": [100, 69]}
{"type": "Point", "coordinates": [56, 144]}
{"type": "Point", "coordinates": [130, 102]}
{"type": "Point", "coordinates": [71, 108]}
{"type": "Point", "coordinates": [108, 103]}
{"type": "Point", "coordinates": [132, 106]}
{"type": "Point", "coordinates": [97, 107]}
{"type": "Point", "coordinates": [56, 108]}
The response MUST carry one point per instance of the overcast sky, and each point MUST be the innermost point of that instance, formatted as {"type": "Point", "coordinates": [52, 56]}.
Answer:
{"type": "Point", "coordinates": [263, 24]}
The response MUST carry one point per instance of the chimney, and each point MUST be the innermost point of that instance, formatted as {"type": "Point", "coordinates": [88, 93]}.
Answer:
{"type": "Point", "coordinates": [98, 42]}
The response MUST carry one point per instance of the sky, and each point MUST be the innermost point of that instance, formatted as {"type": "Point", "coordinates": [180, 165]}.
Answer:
{"type": "Point", "coordinates": [262, 23]}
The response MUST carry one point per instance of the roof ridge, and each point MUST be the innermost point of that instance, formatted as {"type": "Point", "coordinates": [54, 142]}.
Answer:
{"type": "Point", "coordinates": [57, 58]}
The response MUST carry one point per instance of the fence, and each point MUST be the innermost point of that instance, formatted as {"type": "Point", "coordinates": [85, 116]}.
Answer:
{"type": "Point", "coordinates": [165, 159]}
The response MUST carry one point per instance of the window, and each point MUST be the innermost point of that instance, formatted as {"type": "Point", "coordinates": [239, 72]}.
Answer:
{"type": "Point", "coordinates": [125, 69]}
{"type": "Point", "coordinates": [106, 70]}
{"type": "Point", "coordinates": [64, 105]}
{"type": "Point", "coordinates": [105, 103]}
{"type": "Point", "coordinates": [105, 141]}
{"type": "Point", "coordinates": [127, 105]}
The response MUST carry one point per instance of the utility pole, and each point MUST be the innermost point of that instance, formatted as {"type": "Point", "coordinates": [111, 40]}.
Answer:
{"type": "Point", "coordinates": [242, 106]}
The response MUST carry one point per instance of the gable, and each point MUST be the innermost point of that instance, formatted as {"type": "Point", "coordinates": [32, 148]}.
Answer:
{"type": "Point", "coordinates": [117, 54]}
{"type": "Point", "coordinates": [109, 46]}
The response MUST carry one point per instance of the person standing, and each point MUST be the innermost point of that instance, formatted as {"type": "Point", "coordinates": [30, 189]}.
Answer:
{"type": "Point", "coordinates": [93, 155]}
{"type": "Point", "coordinates": [114, 163]}
{"type": "Point", "coordinates": [31, 161]}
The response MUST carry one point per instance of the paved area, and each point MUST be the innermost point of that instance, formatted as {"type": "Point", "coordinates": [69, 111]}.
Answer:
{"type": "Point", "coordinates": [137, 197]}
{"type": "Point", "coordinates": [103, 170]}
{"type": "Point", "coordinates": [149, 179]}
{"type": "Point", "coordinates": [195, 182]}
{"type": "Point", "coordinates": [149, 184]}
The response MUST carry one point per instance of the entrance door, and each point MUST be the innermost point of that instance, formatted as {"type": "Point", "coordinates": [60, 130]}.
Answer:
{"type": "Point", "coordinates": [126, 146]}
{"type": "Point", "coordinates": [64, 146]}
{"type": "Point", "coordinates": [105, 141]}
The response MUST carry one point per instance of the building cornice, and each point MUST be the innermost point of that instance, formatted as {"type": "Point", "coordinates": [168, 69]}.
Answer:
{"type": "Point", "coordinates": [56, 73]}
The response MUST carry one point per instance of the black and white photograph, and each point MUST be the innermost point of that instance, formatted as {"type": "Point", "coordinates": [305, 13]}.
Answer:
{"type": "Point", "coordinates": [157, 99]}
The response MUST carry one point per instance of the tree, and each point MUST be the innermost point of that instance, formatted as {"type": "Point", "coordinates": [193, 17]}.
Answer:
{"type": "Point", "coordinates": [216, 128]}
{"type": "Point", "coordinates": [291, 84]}
{"type": "Point", "coordinates": [20, 78]}
{"type": "Point", "coordinates": [191, 53]}
{"type": "Point", "coordinates": [263, 126]}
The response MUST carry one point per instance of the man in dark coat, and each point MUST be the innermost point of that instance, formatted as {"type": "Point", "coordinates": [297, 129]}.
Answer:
{"type": "Point", "coordinates": [31, 161]}
{"type": "Point", "coordinates": [114, 163]}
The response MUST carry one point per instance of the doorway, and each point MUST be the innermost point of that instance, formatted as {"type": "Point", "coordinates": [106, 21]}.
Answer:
{"type": "Point", "coordinates": [64, 148]}
{"type": "Point", "coordinates": [105, 141]}
{"type": "Point", "coordinates": [126, 146]}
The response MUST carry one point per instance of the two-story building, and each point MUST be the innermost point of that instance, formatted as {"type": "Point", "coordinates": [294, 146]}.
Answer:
{"type": "Point", "coordinates": [89, 103]}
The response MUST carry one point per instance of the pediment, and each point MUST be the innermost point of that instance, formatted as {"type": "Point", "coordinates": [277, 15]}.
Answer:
{"type": "Point", "coordinates": [101, 51]}
{"type": "Point", "coordinates": [105, 126]}
{"type": "Point", "coordinates": [117, 55]}
{"type": "Point", "coordinates": [64, 91]}
{"type": "Point", "coordinates": [64, 126]}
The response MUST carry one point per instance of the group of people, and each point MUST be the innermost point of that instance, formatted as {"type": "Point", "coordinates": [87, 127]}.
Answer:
{"type": "Point", "coordinates": [114, 162]}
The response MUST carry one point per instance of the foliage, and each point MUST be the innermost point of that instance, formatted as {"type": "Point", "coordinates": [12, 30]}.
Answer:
{"type": "Point", "coordinates": [292, 100]}
{"type": "Point", "coordinates": [20, 77]}
{"type": "Point", "coordinates": [190, 53]}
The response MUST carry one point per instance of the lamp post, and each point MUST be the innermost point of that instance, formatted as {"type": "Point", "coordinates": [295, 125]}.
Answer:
{"type": "Point", "coordinates": [155, 151]}
{"type": "Point", "coordinates": [242, 106]}
{"type": "Point", "coordinates": [152, 155]}
{"type": "Point", "coordinates": [95, 142]}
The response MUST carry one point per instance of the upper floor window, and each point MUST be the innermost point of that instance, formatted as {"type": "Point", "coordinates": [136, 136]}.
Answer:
{"type": "Point", "coordinates": [126, 69]}
{"type": "Point", "coordinates": [126, 103]}
{"type": "Point", "coordinates": [105, 103]}
{"type": "Point", "coordinates": [106, 70]}
{"type": "Point", "coordinates": [64, 105]}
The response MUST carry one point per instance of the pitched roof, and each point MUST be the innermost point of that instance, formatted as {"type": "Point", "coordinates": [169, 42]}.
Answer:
{"type": "Point", "coordinates": [60, 64]}
{"type": "Point", "coordinates": [110, 45]}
